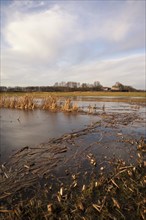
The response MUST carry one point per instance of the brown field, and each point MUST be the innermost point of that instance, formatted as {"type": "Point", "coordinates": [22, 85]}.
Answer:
{"type": "Point", "coordinates": [43, 94]}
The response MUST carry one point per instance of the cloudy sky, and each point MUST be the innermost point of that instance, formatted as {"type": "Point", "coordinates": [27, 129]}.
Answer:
{"type": "Point", "coordinates": [44, 42]}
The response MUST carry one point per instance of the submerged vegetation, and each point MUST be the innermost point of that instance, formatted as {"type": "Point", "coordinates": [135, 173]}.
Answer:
{"type": "Point", "coordinates": [118, 195]}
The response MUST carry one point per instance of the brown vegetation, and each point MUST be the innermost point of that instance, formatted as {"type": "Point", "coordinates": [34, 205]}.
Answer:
{"type": "Point", "coordinates": [24, 102]}
{"type": "Point", "coordinates": [120, 195]}
{"type": "Point", "coordinates": [30, 189]}
{"type": "Point", "coordinates": [28, 102]}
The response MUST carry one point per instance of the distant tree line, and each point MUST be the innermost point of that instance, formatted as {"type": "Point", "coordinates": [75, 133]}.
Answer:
{"type": "Point", "coordinates": [69, 87]}
{"type": "Point", "coordinates": [46, 89]}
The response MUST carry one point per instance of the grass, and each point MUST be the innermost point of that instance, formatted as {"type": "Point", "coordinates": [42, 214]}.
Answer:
{"type": "Point", "coordinates": [70, 94]}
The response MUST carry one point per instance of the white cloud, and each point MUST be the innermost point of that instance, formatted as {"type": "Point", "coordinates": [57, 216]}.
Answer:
{"type": "Point", "coordinates": [47, 42]}
{"type": "Point", "coordinates": [53, 28]}
{"type": "Point", "coordinates": [128, 70]}
{"type": "Point", "coordinates": [40, 35]}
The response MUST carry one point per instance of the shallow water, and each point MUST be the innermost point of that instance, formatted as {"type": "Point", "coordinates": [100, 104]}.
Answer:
{"type": "Point", "coordinates": [109, 103]}
{"type": "Point", "coordinates": [28, 128]}
{"type": "Point", "coordinates": [90, 98]}
{"type": "Point", "coordinates": [22, 128]}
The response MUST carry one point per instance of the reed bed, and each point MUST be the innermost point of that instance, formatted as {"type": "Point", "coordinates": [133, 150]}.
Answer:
{"type": "Point", "coordinates": [23, 102]}
{"type": "Point", "coordinates": [50, 103]}
{"type": "Point", "coordinates": [28, 102]}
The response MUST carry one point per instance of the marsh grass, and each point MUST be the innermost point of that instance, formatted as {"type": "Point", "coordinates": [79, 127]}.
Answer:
{"type": "Point", "coordinates": [51, 103]}
{"type": "Point", "coordinates": [22, 102]}
{"type": "Point", "coordinates": [28, 102]}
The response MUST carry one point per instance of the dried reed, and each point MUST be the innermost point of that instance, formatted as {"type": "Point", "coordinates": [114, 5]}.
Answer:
{"type": "Point", "coordinates": [27, 102]}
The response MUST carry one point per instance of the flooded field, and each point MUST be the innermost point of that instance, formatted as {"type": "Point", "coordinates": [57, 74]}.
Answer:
{"type": "Point", "coordinates": [29, 128]}
{"type": "Point", "coordinates": [63, 151]}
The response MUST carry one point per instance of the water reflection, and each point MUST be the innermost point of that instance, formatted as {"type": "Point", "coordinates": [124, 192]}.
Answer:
{"type": "Point", "coordinates": [21, 128]}
{"type": "Point", "coordinates": [112, 107]}
{"type": "Point", "coordinates": [96, 98]}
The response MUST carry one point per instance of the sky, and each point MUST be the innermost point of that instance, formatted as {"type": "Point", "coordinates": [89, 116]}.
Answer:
{"type": "Point", "coordinates": [43, 42]}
